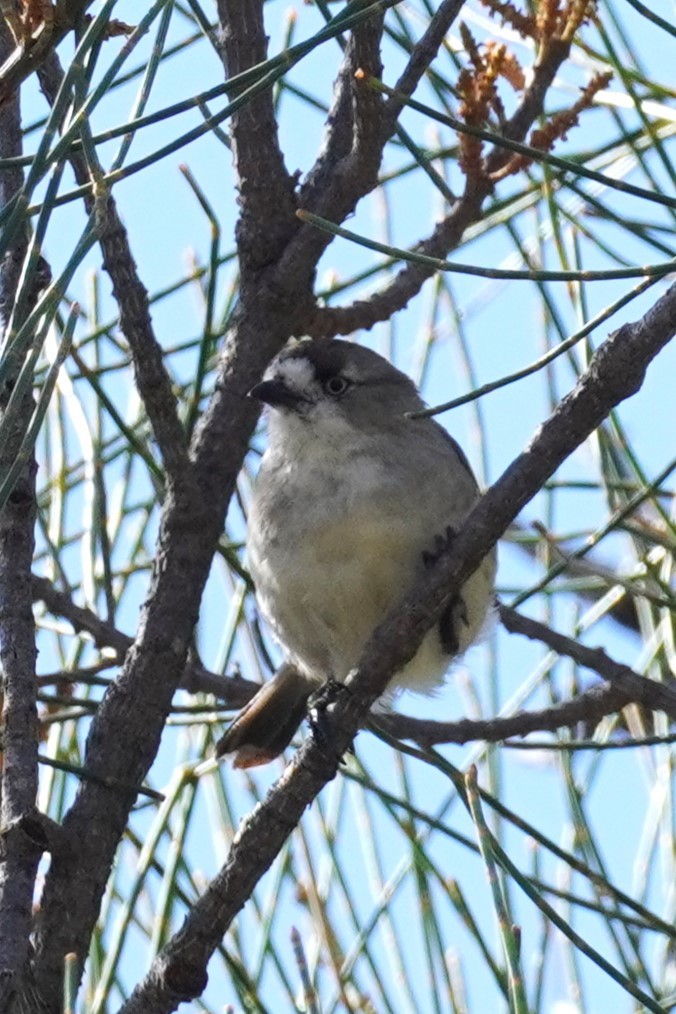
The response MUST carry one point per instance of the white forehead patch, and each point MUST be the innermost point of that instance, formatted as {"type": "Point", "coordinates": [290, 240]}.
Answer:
{"type": "Point", "coordinates": [298, 373]}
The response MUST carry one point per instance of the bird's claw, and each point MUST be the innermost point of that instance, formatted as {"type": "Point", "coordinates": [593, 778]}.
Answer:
{"type": "Point", "coordinates": [442, 544]}
{"type": "Point", "coordinates": [317, 712]}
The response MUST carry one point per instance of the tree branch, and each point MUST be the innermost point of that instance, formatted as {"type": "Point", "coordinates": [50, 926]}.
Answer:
{"type": "Point", "coordinates": [634, 687]}
{"type": "Point", "coordinates": [626, 686]}
{"type": "Point", "coordinates": [347, 167]}
{"type": "Point", "coordinates": [19, 63]}
{"type": "Point", "coordinates": [125, 732]}
{"type": "Point", "coordinates": [235, 692]}
{"type": "Point", "coordinates": [266, 190]}
{"type": "Point", "coordinates": [422, 55]}
{"type": "Point", "coordinates": [363, 314]}
{"type": "Point", "coordinates": [353, 135]}
{"type": "Point", "coordinates": [615, 372]}
{"type": "Point", "coordinates": [338, 135]}
{"type": "Point", "coordinates": [124, 736]}
{"type": "Point", "coordinates": [19, 850]}
{"type": "Point", "coordinates": [588, 707]}
{"type": "Point", "coordinates": [153, 381]}
{"type": "Point", "coordinates": [359, 125]}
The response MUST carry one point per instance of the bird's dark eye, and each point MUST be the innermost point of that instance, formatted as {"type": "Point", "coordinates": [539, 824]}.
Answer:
{"type": "Point", "coordinates": [336, 386]}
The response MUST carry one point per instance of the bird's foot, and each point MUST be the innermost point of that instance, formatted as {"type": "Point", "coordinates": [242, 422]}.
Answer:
{"type": "Point", "coordinates": [318, 706]}
{"type": "Point", "coordinates": [442, 544]}
{"type": "Point", "coordinates": [456, 611]}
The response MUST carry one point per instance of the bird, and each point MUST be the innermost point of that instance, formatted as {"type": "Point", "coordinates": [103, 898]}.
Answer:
{"type": "Point", "coordinates": [356, 495]}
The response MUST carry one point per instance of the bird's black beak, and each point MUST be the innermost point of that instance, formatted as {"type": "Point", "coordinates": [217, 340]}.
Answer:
{"type": "Point", "coordinates": [276, 394]}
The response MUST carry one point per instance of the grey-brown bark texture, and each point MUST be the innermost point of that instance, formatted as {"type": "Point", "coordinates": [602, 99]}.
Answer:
{"type": "Point", "coordinates": [21, 840]}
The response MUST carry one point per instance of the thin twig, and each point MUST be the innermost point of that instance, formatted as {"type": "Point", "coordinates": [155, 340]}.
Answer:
{"type": "Point", "coordinates": [152, 378]}
{"type": "Point", "coordinates": [422, 54]}
{"type": "Point", "coordinates": [17, 64]}
{"type": "Point", "coordinates": [234, 692]}
{"type": "Point", "coordinates": [364, 313]}
{"type": "Point", "coordinates": [347, 166]}
{"type": "Point", "coordinates": [658, 696]}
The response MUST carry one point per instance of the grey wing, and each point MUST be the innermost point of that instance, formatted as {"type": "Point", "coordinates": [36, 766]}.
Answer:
{"type": "Point", "coordinates": [457, 450]}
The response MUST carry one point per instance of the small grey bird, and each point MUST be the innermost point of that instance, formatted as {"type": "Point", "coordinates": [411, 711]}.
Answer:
{"type": "Point", "coordinates": [351, 503]}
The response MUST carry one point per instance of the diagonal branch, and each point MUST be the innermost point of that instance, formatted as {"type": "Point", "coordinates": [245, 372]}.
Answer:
{"type": "Point", "coordinates": [630, 684]}
{"type": "Point", "coordinates": [347, 167]}
{"type": "Point", "coordinates": [235, 692]}
{"type": "Point", "coordinates": [353, 138]}
{"type": "Point", "coordinates": [422, 55]}
{"type": "Point", "coordinates": [153, 381]}
{"type": "Point", "coordinates": [615, 372]}
{"type": "Point", "coordinates": [363, 314]}
{"type": "Point", "coordinates": [17, 65]}
{"type": "Point", "coordinates": [125, 732]}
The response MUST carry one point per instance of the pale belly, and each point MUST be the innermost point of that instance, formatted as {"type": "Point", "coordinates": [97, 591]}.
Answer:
{"type": "Point", "coordinates": [326, 587]}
